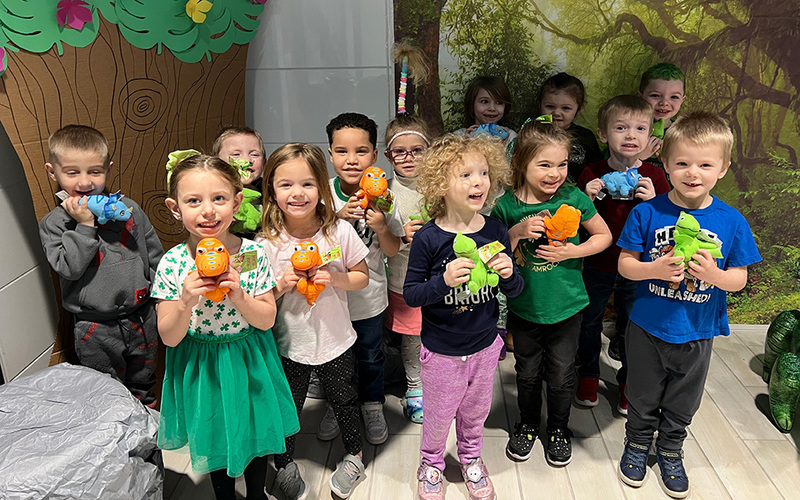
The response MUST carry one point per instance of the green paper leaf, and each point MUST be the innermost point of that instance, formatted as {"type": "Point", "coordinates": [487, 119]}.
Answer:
{"type": "Point", "coordinates": [32, 26]}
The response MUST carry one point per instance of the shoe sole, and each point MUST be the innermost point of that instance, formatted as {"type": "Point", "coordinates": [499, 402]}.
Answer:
{"type": "Point", "coordinates": [378, 441]}
{"type": "Point", "coordinates": [338, 493]}
{"type": "Point", "coordinates": [554, 463]}
{"type": "Point", "coordinates": [518, 458]}
{"type": "Point", "coordinates": [586, 403]}
{"type": "Point", "coordinates": [672, 494]}
{"type": "Point", "coordinates": [630, 482]}
{"type": "Point", "coordinates": [622, 411]}
{"type": "Point", "coordinates": [328, 437]}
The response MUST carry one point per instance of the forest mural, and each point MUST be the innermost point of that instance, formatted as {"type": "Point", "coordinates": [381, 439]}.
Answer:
{"type": "Point", "coordinates": [740, 58]}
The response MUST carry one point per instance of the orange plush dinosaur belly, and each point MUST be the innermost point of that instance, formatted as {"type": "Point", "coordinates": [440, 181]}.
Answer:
{"type": "Point", "coordinates": [306, 256]}
{"type": "Point", "coordinates": [212, 259]}
{"type": "Point", "coordinates": [563, 225]}
{"type": "Point", "coordinates": [373, 185]}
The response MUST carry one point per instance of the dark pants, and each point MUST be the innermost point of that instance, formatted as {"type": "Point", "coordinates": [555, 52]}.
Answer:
{"type": "Point", "coordinates": [665, 386]}
{"type": "Point", "coordinates": [545, 353]}
{"type": "Point", "coordinates": [255, 476]}
{"type": "Point", "coordinates": [370, 358]}
{"type": "Point", "coordinates": [599, 286]}
{"type": "Point", "coordinates": [338, 378]}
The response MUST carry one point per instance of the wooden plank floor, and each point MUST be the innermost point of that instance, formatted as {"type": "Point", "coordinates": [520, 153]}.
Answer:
{"type": "Point", "coordinates": [733, 450]}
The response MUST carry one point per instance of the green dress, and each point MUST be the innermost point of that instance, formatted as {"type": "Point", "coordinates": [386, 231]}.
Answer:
{"type": "Point", "coordinates": [225, 393]}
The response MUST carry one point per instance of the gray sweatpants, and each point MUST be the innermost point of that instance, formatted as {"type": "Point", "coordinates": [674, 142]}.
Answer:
{"type": "Point", "coordinates": [664, 388]}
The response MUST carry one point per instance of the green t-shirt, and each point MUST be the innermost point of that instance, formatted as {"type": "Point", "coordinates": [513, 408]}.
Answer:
{"type": "Point", "coordinates": [553, 292]}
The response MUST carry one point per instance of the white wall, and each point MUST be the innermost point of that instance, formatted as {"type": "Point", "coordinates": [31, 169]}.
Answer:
{"type": "Point", "coordinates": [28, 314]}
{"type": "Point", "coordinates": [314, 59]}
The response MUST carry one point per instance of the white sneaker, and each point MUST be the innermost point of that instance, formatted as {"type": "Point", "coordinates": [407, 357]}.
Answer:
{"type": "Point", "coordinates": [374, 422]}
{"type": "Point", "coordinates": [328, 426]}
{"type": "Point", "coordinates": [347, 475]}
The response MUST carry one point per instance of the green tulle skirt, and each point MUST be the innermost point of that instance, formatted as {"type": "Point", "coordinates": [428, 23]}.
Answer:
{"type": "Point", "coordinates": [228, 399]}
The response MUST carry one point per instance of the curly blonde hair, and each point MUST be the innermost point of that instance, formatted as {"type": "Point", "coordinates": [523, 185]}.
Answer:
{"type": "Point", "coordinates": [438, 164]}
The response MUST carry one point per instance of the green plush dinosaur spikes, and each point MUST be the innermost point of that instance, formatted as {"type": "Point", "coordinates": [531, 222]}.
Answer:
{"type": "Point", "coordinates": [689, 238]}
{"type": "Point", "coordinates": [784, 390]}
{"type": "Point", "coordinates": [481, 275]}
{"type": "Point", "coordinates": [658, 128]}
{"type": "Point", "coordinates": [779, 340]}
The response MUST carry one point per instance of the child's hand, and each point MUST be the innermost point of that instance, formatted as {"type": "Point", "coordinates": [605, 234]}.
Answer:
{"type": "Point", "coordinates": [411, 228]}
{"type": "Point", "coordinates": [376, 220]}
{"type": "Point", "coordinates": [457, 271]}
{"type": "Point", "coordinates": [557, 252]}
{"type": "Point", "coordinates": [194, 287]}
{"type": "Point", "coordinates": [645, 190]}
{"type": "Point", "coordinates": [703, 266]}
{"type": "Point", "coordinates": [291, 277]}
{"type": "Point", "coordinates": [352, 210]}
{"type": "Point", "coordinates": [502, 265]}
{"type": "Point", "coordinates": [471, 129]}
{"type": "Point", "coordinates": [593, 187]}
{"type": "Point", "coordinates": [530, 229]}
{"type": "Point", "coordinates": [79, 212]}
{"type": "Point", "coordinates": [653, 145]}
{"type": "Point", "coordinates": [320, 275]}
{"type": "Point", "coordinates": [230, 279]}
{"type": "Point", "coordinates": [668, 268]}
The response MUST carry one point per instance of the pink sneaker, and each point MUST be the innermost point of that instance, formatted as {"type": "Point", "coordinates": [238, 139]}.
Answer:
{"type": "Point", "coordinates": [430, 485]}
{"type": "Point", "coordinates": [476, 477]}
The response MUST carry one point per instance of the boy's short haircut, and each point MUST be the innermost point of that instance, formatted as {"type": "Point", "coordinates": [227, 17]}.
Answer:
{"type": "Point", "coordinates": [407, 122]}
{"type": "Point", "coordinates": [353, 120]}
{"type": "Point", "coordinates": [496, 87]}
{"type": "Point", "coordinates": [80, 138]}
{"type": "Point", "coordinates": [566, 83]}
{"type": "Point", "coordinates": [622, 105]}
{"type": "Point", "coordinates": [702, 128]}
{"type": "Point", "coordinates": [661, 71]}
{"type": "Point", "coordinates": [232, 130]}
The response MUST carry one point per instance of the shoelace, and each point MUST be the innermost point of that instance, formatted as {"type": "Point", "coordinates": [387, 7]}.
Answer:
{"type": "Point", "coordinates": [635, 457]}
{"type": "Point", "coordinates": [351, 470]}
{"type": "Point", "coordinates": [674, 465]}
{"type": "Point", "coordinates": [373, 418]}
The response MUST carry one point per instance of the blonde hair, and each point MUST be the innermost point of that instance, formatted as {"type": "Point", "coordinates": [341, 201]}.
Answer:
{"type": "Point", "coordinates": [532, 138]}
{"type": "Point", "coordinates": [437, 167]}
{"type": "Point", "coordinates": [79, 138]}
{"type": "Point", "coordinates": [405, 123]}
{"type": "Point", "coordinates": [204, 162]}
{"type": "Point", "coordinates": [627, 104]}
{"type": "Point", "coordinates": [229, 132]}
{"type": "Point", "coordinates": [703, 129]}
{"type": "Point", "coordinates": [273, 221]}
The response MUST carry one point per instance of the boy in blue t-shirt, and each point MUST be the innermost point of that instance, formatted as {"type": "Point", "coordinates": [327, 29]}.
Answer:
{"type": "Point", "coordinates": [678, 310]}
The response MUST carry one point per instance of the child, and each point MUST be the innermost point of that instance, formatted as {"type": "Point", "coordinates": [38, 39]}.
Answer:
{"type": "Point", "coordinates": [677, 313]}
{"type": "Point", "coordinates": [487, 100]}
{"type": "Point", "coordinates": [662, 86]}
{"type": "Point", "coordinates": [562, 96]}
{"type": "Point", "coordinates": [105, 269]}
{"type": "Point", "coordinates": [545, 318]}
{"type": "Point", "coordinates": [407, 138]}
{"type": "Point", "coordinates": [624, 123]}
{"type": "Point", "coordinates": [460, 344]}
{"type": "Point", "coordinates": [353, 139]}
{"type": "Point", "coordinates": [224, 391]}
{"type": "Point", "coordinates": [299, 208]}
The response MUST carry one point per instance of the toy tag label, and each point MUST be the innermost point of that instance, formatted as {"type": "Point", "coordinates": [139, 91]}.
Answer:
{"type": "Point", "coordinates": [244, 262]}
{"type": "Point", "coordinates": [544, 213]}
{"type": "Point", "coordinates": [385, 202]}
{"type": "Point", "coordinates": [489, 250]}
{"type": "Point", "coordinates": [331, 255]}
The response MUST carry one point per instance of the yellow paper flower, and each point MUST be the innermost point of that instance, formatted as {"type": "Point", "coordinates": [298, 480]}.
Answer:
{"type": "Point", "coordinates": [196, 9]}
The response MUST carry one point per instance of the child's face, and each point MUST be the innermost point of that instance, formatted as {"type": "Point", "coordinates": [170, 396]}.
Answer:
{"type": "Point", "coordinates": [562, 106]}
{"type": "Point", "coordinates": [404, 153]}
{"type": "Point", "coordinates": [487, 109]}
{"type": "Point", "coordinates": [666, 97]}
{"type": "Point", "coordinates": [469, 185]}
{"type": "Point", "coordinates": [205, 203]}
{"type": "Point", "coordinates": [79, 172]}
{"type": "Point", "coordinates": [351, 153]}
{"type": "Point", "coordinates": [244, 146]}
{"type": "Point", "coordinates": [626, 134]}
{"type": "Point", "coordinates": [296, 190]}
{"type": "Point", "coordinates": [694, 170]}
{"type": "Point", "coordinates": [546, 172]}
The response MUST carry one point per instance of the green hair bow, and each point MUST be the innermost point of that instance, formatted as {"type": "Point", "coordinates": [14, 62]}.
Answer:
{"type": "Point", "coordinates": [176, 157]}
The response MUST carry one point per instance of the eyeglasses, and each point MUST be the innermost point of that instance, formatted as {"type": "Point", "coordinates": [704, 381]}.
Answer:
{"type": "Point", "coordinates": [401, 154]}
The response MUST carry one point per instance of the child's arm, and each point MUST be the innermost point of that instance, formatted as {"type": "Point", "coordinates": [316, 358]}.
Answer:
{"type": "Point", "coordinates": [421, 288]}
{"type": "Point", "coordinates": [703, 266]}
{"type": "Point", "coordinates": [174, 315]}
{"type": "Point", "coordinates": [599, 240]}
{"type": "Point", "coordinates": [376, 220]}
{"type": "Point", "coordinates": [288, 281]}
{"type": "Point", "coordinates": [666, 268]}
{"type": "Point", "coordinates": [69, 251]}
{"type": "Point", "coordinates": [356, 277]}
{"type": "Point", "coordinates": [531, 228]}
{"type": "Point", "coordinates": [258, 311]}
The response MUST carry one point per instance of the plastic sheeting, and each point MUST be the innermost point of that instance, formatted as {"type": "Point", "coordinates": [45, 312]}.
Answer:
{"type": "Point", "coordinates": [72, 432]}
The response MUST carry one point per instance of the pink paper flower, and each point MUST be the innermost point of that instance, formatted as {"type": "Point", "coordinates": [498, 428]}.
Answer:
{"type": "Point", "coordinates": [73, 14]}
{"type": "Point", "coordinates": [2, 56]}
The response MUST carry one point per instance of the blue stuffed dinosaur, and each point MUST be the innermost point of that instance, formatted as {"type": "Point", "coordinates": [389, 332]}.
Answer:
{"type": "Point", "coordinates": [106, 208]}
{"type": "Point", "coordinates": [492, 130]}
{"type": "Point", "coordinates": [622, 185]}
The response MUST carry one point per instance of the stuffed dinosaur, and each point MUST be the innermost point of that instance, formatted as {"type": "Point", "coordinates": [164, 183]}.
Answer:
{"type": "Point", "coordinates": [659, 129]}
{"type": "Point", "coordinates": [563, 225]}
{"type": "Point", "coordinates": [212, 259]}
{"type": "Point", "coordinates": [306, 256]}
{"type": "Point", "coordinates": [373, 185]}
{"type": "Point", "coordinates": [784, 390]}
{"type": "Point", "coordinates": [106, 208]}
{"type": "Point", "coordinates": [622, 185]}
{"type": "Point", "coordinates": [783, 336]}
{"type": "Point", "coordinates": [490, 129]}
{"type": "Point", "coordinates": [248, 218]}
{"type": "Point", "coordinates": [481, 275]}
{"type": "Point", "coordinates": [689, 238]}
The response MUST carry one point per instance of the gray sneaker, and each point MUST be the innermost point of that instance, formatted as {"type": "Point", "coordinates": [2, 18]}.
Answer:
{"type": "Point", "coordinates": [290, 483]}
{"type": "Point", "coordinates": [374, 422]}
{"type": "Point", "coordinates": [328, 426]}
{"type": "Point", "coordinates": [347, 475]}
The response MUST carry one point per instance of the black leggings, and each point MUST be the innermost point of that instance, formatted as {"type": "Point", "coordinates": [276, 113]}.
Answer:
{"type": "Point", "coordinates": [255, 476]}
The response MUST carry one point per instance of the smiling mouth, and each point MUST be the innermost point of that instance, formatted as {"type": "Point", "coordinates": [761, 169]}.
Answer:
{"type": "Point", "coordinates": [209, 225]}
{"type": "Point", "coordinates": [478, 196]}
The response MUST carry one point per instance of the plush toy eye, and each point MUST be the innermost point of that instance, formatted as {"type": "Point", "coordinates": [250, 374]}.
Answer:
{"type": "Point", "coordinates": [370, 174]}
{"type": "Point", "coordinates": [220, 249]}
{"type": "Point", "coordinates": [312, 248]}
{"type": "Point", "coordinates": [297, 248]}
{"type": "Point", "coordinates": [201, 251]}
{"type": "Point", "coordinates": [383, 175]}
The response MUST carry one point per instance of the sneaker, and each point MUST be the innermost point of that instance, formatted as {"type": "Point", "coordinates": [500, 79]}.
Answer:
{"type": "Point", "coordinates": [559, 447]}
{"type": "Point", "coordinates": [614, 346]}
{"type": "Point", "coordinates": [674, 480]}
{"type": "Point", "coordinates": [290, 483]}
{"type": "Point", "coordinates": [633, 464]}
{"type": "Point", "coordinates": [476, 477]}
{"type": "Point", "coordinates": [521, 442]}
{"type": "Point", "coordinates": [374, 422]}
{"type": "Point", "coordinates": [347, 475]}
{"type": "Point", "coordinates": [413, 407]}
{"type": "Point", "coordinates": [315, 389]}
{"type": "Point", "coordinates": [587, 391]}
{"type": "Point", "coordinates": [430, 485]}
{"type": "Point", "coordinates": [622, 407]}
{"type": "Point", "coordinates": [328, 426]}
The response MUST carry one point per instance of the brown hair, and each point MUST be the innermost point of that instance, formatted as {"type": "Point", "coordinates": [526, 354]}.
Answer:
{"type": "Point", "coordinates": [80, 138]}
{"type": "Point", "coordinates": [231, 131]}
{"type": "Point", "coordinates": [566, 83]}
{"type": "Point", "coordinates": [406, 122]}
{"type": "Point", "coordinates": [534, 136]}
{"type": "Point", "coordinates": [208, 163]}
{"type": "Point", "coordinates": [702, 128]}
{"type": "Point", "coordinates": [626, 104]}
{"type": "Point", "coordinates": [496, 87]}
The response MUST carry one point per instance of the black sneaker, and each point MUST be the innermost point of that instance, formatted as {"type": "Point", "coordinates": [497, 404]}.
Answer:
{"type": "Point", "coordinates": [559, 447]}
{"type": "Point", "coordinates": [674, 480]}
{"type": "Point", "coordinates": [521, 442]}
{"type": "Point", "coordinates": [614, 347]}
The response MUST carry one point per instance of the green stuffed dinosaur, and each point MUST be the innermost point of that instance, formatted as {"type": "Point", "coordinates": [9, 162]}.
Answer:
{"type": "Point", "coordinates": [689, 238]}
{"type": "Point", "coordinates": [248, 218]}
{"type": "Point", "coordinates": [782, 332]}
{"type": "Point", "coordinates": [784, 390]}
{"type": "Point", "coordinates": [481, 275]}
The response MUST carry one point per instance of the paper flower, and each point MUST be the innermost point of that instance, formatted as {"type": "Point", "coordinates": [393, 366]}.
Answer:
{"type": "Point", "coordinates": [73, 14]}
{"type": "Point", "coordinates": [196, 9]}
{"type": "Point", "coordinates": [2, 60]}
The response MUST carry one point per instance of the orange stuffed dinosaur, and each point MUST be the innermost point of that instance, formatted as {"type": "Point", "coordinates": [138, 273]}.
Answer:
{"type": "Point", "coordinates": [373, 185]}
{"type": "Point", "coordinates": [305, 257]}
{"type": "Point", "coordinates": [564, 224]}
{"type": "Point", "coordinates": [212, 259]}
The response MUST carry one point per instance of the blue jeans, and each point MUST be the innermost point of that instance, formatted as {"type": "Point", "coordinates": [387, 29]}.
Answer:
{"type": "Point", "coordinates": [599, 286]}
{"type": "Point", "coordinates": [369, 358]}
